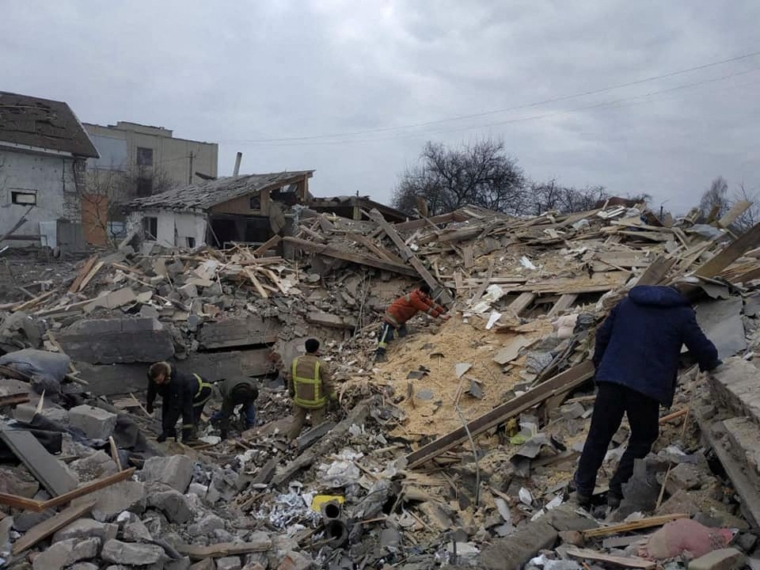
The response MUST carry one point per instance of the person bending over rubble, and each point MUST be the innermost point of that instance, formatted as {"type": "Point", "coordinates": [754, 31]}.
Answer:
{"type": "Point", "coordinates": [183, 395]}
{"type": "Point", "coordinates": [403, 309]}
{"type": "Point", "coordinates": [310, 387]}
{"type": "Point", "coordinates": [636, 359]}
{"type": "Point", "coordinates": [237, 392]}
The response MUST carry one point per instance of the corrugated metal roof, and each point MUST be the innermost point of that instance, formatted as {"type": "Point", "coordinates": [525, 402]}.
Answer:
{"type": "Point", "coordinates": [205, 195]}
{"type": "Point", "coordinates": [43, 123]}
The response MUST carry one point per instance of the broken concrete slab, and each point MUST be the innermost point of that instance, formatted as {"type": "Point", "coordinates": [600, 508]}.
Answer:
{"type": "Point", "coordinates": [566, 518]}
{"type": "Point", "coordinates": [170, 502]}
{"type": "Point", "coordinates": [722, 323]}
{"type": "Point", "coordinates": [735, 385]}
{"type": "Point", "coordinates": [723, 559]}
{"type": "Point", "coordinates": [323, 319]}
{"type": "Point", "coordinates": [229, 563]}
{"type": "Point", "coordinates": [94, 466]}
{"type": "Point", "coordinates": [512, 351]}
{"type": "Point", "coordinates": [109, 341]}
{"type": "Point", "coordinates": [295, 560]}
{"type": "Point", "coordinates": [230, 333]}
{"type": "Point", "coordinates": [123, 496]}
{"type": "Point", "coordinates": [127, 554]}
{"type": "Point", "coordinates": [518, 549]}
{"type": "Point", "coordinates": [175, 471]}
{"type": "Point", "coordinates": [87, 528]}
{"type": "Point", "coordinates": [95, 423]}
{"type": "Point", "coordinates": [113, 300]}
{"type": "Point", "coordinates": [65, 553]}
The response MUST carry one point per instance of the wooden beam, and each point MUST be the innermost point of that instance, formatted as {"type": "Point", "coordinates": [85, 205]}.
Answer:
{"type": "Point", "coordinates": [649, 522]}
{"type": "Point", "coordinates": [52, 525]}
{"type": "Point", "coordinates": [82, 274]}
{"type": "Point", "coordinates": [90, 275]}
{"type": "Point", "coordinates": [330, 251]}
{"type": "Point", "coordinates": [439, 291]}
{"type": "Point", "coordinates": [559, 384]}
{"type": "Point", "coordinates": [564, 303]}
{"type": "Point", "coordinates": [39, 506]}
{"type": "Point", "coordinates": [737, 210]}
{"type": "Point", "coordinates": [657, 271]}
{"type": "Point", "coordinates": [223, 549]}
{"type": "Point", "coordinates": [416, 224]}
{"type": "Point", "coordinates": [522, 302]}
{"type": "Point", "coordinates": [620, 561]}
{"type": "Point", "coordinates": [381, 252]}
{"type": "Point", "coordinates": [267, 245]}
{"type": "Point", "coordinates": [720, 261]}
{"type": "Point", "coordinates": [256, 283]}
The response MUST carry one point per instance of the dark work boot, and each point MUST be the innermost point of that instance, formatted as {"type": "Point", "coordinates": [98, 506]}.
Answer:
{"type": "Point", "coordinates": [614, 499]}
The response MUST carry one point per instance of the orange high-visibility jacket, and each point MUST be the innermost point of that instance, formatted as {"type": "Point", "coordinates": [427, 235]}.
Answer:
{"type": "Point", "coordinates": [404, 308]}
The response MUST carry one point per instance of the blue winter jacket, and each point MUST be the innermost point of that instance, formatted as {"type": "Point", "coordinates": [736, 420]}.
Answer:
{"type": "Point", "coordinates": [639, 344]}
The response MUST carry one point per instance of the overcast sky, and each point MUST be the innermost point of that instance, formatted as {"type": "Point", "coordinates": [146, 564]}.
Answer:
{"type": "Point", "coordinates": [339, 82]}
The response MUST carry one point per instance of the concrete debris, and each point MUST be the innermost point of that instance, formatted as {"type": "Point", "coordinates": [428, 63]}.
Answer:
{"type": "Point", "coordinates": [518, 372]}
{"type": "Point", "coordinates": [723, 559]}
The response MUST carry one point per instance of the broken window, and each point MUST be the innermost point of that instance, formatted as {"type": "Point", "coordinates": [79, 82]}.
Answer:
{"type": "Point", "coordinates": [190, 242]}
{"type": "Point", "coordinates": [150, 227]}
{"type": "Point", "coordinates": [144, 156]}
{"type": "Point", "coordinates": [117, 229]}
{"type": "Point", "coordinates": [25, 197]}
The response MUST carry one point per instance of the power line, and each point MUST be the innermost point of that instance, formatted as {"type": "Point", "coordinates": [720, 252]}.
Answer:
{"type": "Point", "coordinates": [613, 103]}
{"type": "Point", "coordinates": [508, 109]}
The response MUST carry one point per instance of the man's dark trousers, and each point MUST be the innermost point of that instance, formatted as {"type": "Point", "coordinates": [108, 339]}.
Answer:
{"type": "Point", "coordinates": [612, 402]}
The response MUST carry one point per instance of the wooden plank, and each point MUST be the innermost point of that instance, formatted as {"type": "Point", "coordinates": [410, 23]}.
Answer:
{"type": "Point", "coordinates": [563, 382]}
{"type": "Point", "coordinates": [438, 290]}
{"type": "Point", "coordinates": [620, 561]}
{"type": "Point", "coordinates": [52, 525]}
{"type": "Point", "coordinates": [719, 262]}
{"type": "Point", "coordinates": [330, 251]}
{"type": "Point", "coordinates": [259, 289]}
{"type": "Point", "coordinates": [31, 303]}
{"type": "Point", "coordinates": [40, 463]}
{"type": "Point", "coordinates": [14, 399]}
{"type": "Point", "coordinates": [564, 303]}
{"type": "Point", "coordinates": [223, 549]}
{"type": "Point", "coordinates": [657, 271]}
{"type": "Point", "coordinates": [90, 275]}
{"type": "Point", "coordinates": [468, 256]}
{"type": "Point", "coordinates": [267, 245]}
{"type": "Point", "coordinates": [39, 506]}
{"type": "Point", "coordinates": [416, 224]}
{"type": "Point", "coordinates": [84, 272]}
{"type": "Point", "coordinates": [374, 248]}
{"type": "Point", "coordinates": [631, 526]}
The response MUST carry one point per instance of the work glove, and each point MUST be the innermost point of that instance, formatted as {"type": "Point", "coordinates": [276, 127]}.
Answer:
{"type": "Point", "coordinates": [149, 408]}
{"type": "Point", "coordinates": [162, 438]}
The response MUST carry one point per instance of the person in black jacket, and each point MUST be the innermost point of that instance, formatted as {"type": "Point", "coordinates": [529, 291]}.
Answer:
{"type": "Point", "coordinates": [182, 394]}
{"type": "Point", "coordinates": [636, 357]}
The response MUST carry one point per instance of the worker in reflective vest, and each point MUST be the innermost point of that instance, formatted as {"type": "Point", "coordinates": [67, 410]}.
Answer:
{"type": "Point", "coordinates": [309, 386]}
{"type": "Point", "coordinates": [183, 394]}
{"type": "Point", "coordinates": [403, 309]}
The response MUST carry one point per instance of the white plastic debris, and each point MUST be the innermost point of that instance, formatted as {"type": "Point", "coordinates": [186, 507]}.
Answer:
{"type": "Point", "coordinates": [461, 368]}
{"type": "Point", "coordinates": [581, 224]}
{"type": "Point", "coordinates": [493, 319]}
{"type": "Point", "coordinates": [493, 293]}
{"type": "Point", "coordinates": [210, 439]}
{"type": "Point", "coordinates": [525, 497]}
{"type": "Point", "coordinates": [527, 263]}
{"type": "Point", "coordinates": [554, 503]}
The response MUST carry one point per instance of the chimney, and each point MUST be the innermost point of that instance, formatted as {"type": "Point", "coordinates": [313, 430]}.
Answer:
{"type": "Point", "coordinates": [238, 160]}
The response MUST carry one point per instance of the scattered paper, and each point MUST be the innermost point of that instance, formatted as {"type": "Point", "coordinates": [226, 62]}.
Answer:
{"type": "Point", "coordinates": [527, 264]}
{"type": "Point", "coordinates": [493, 319]}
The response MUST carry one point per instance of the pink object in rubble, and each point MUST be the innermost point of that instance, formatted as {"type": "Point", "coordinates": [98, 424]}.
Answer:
{"type": "Point", "coordinates": [686, 536]}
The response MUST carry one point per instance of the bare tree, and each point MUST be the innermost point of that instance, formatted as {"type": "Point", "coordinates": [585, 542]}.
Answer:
{"type": "Point", "coordinates": [480, 174]}
{"type": "Point", "coordinates": [751, 216]}
{"type": "Point", "coordinates": [716, 198]}
{"type": "Point", "coordinates": [547, 196]}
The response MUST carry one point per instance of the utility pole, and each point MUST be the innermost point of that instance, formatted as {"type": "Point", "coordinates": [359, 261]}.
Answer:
{"type": "Point", "coordinates": [190, 174]}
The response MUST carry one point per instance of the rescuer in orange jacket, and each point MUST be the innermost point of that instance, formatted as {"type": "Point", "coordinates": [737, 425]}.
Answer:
{"type": "Point", "coordinates": [403, 309]}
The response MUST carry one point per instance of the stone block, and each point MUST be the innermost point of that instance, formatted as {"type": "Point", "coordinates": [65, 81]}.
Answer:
{"type": "Point", "coordinates": [723, 559]}
{"type": "Point", "coordinates": [123, 496]}
{"type": "Point", "coordinates": [564, 518]}
{"type": "Point", "coordinates": [205, 564]}
{"type": "Point", "coordinates": [66, 553]}
{"type": "Point", "coordinates": [516, 550]}
{"type": "Point", "coordinates": [735, 384]}
{"type": "Point", "coordinates": [94, 466]}
{"type": "Point", "coordinates": [229, 563]}
{"type": "Point", "coordinates": [94, 422]}
{"type": "Point", "coordinates": [206, 526]}
{"type": "Point", "coordinates": [175, 471]}
{"type": "Point", "coordinates": [230, 333]}
{"type": "Point", "coordinates": [172, 503]}
{"type": "Point", "coordinates": [126, 554]}
{"type": "Point", "coordinates": [109, 341]}
{"type": "Point", "coordinates": [86, 528]}
{"type": "Point", "coordinates": [295, 560]}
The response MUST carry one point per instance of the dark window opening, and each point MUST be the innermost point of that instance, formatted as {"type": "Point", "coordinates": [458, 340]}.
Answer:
{"type": "Point", "coordinates": [150, 228]}
{"type": "Point", "coordinates": [24, 197]}
{"type": "Point", "coordinates": [144, 186]}
{"type": "Point", "coordinates": [190, 242]}
{"type": "Point", "coordinates": [287, 195]}
{"type": "Point", "coordinates": [144, 156]}
{"type": "Point", "coordinates": [254, 202]}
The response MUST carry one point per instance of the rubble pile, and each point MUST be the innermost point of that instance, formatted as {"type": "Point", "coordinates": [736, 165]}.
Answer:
{"type": "Point", "coordinates": [456, 451]}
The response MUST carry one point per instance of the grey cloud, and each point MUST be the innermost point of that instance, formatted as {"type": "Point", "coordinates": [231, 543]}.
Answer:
{"type": "Point", "coordinates": [236, 72]}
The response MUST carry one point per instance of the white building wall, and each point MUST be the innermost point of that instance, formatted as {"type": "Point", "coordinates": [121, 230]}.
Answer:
{"type": "Point", "coordinates": [53, 180]}
{"type": "Point", "coordinates": [173, 228]}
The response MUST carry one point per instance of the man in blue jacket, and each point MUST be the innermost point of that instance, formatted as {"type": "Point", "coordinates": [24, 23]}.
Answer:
{"type": "Point", "coordinates": [636, 358]}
